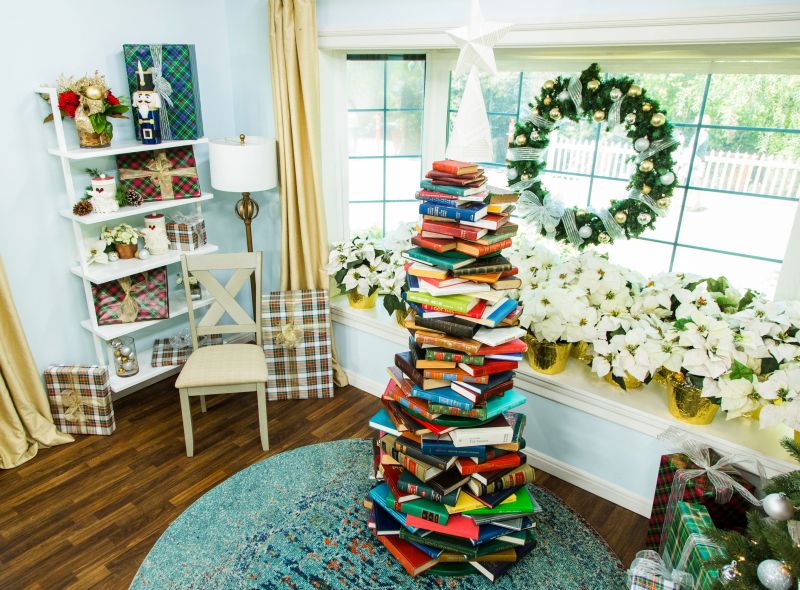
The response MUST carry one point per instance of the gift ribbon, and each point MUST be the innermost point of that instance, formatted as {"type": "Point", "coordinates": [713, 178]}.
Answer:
{"type": "Point", "coordinates": [72, 401]}
{"type": "Point", "coordinates": [718, 474]}
{"type": "Point", "coordinates": [615, 111]}
{"type": "Point", "coordinates": [182, 340]}
{"type": "Point", "coordinates": [186, 218]}
{"type": "Point", "coordinates": [160, 168]}
{"type": "Point", "coordinates": [692, 542]}
{"type": "Point", "coordinates": [289, 335]}
{"type": "Point", "coordinates": [649, 564]}
{"type": "Point", "coordinates": [536, 119]}
{"type": "Point", "coordinates": [163, 87]}
{"type": "Point", "coordinates": [522, 185]}
{"type": "Point", "coordinates": [128, 308]}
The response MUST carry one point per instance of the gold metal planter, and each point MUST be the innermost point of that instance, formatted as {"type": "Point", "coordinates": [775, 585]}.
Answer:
{"type": "Point", "coordinates": [630, 381]}
{"type": "Point", "coordinates": [687, 404]}
{"type": "Point", "coordinates": [360, 302]}
{"type": "Point", "coordinates": [548, 358]}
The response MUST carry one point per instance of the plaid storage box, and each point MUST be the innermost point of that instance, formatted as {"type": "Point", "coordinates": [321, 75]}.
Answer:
{"type": "Point", "coordinates": [160, 175]}
{"type": "Point", "coordinates": [296, 332]}
{"type": "Point", "coordinates": [175, 75]}
{"type": "Point", "coordinates": [137, 298]}
{"type": "Point", "coordinates": [175, 351]}
{"type": "Point", "coordinates": [689, 526]}
{"type": "Point", "coordinates": [186, 236]}
{"type": "Point", "coordinates": [731, 515]}
{"type": "Point", "coordinates": [80, 398]}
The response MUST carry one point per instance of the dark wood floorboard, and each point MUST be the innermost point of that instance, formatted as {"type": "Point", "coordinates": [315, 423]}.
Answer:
{"type": "Point", "coordinates": [84, 515]}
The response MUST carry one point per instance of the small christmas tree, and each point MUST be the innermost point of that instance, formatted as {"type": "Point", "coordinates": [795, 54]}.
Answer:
{"type": "Point", "coordinates": [768, 554]}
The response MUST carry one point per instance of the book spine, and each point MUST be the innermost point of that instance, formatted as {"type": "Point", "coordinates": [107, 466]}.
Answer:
{"type": "Point", "coordinates": [445, 375]}
{"type": "Point", "coordinates": [451, 451]}
{"type": "Point", "coordinates": [483, 270]}
{"type": "Point", "coordinates": [456, 357]}
{"type": "Point", "coordinates": [448, 212]}
{"type": "Point", "coordinates": [420, 409]}
{"type": "Point", "coordinates": [451, 229]}
{"type": "Point", "coordinates": [417, 454]}
{"type": "Point", "coordinates": [439, 201]}
{"type": "Point", "coordinates": [482, 250]}
{"type": "Point", "coordinates": [417, 468]}
{"type": "Point", "coordinates": [473, 313]}
{"type": "Point", "coordinates": [443, 188]}
{"type": "Point", "coordinates": [460, 410]}
{"type": "Point", "coordinates": [423, 491]}
{"type": "Point", "coordinates": [437, 542]}
{"type": "Point", "coordinates": [439, 325]}
{"type": "Point", "coordinates": [443, 303]}
{"type": "Point", "coordinates": [422, 512]}
{"type": "Point", "coordinates": [519, 477]}
{"type": "Point", "coordinates": [463, 345]}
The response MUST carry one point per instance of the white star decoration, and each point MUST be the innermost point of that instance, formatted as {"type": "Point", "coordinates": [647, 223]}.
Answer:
{"type": "Point", "coordinates": [476, 41]}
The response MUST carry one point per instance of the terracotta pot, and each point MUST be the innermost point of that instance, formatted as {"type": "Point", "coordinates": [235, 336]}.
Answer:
{"type": "Point", "coordinates": [126, 251]}
{"type": "Point", "coordinates": [360, 302]}
{"type": "Point", "coordinates": [548, 358]}
{"type": "Point", "coordinates": [90, 139]}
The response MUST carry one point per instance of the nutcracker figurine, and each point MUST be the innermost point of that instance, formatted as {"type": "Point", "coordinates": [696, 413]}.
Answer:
{"type": "Point", "coordinates": [146, 105]}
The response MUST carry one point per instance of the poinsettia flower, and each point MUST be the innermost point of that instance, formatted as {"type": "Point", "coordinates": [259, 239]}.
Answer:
{"type": "Point", "coordinates": [787, 413]}
{"type": "Point", "coordinates": [783, 384]}
{"type": "Point", "coordinates": [697, 299]}
{"type": "Point", "coordinates": [581, 324]}
{"type": "Point", "coordinates": [96, 252]}
{"type": "Point", "coordinates": [360, 280]}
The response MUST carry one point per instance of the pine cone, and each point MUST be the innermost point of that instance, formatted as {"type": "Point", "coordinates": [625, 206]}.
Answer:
{"type": "Point", "coordinates": [134, 198]}
{"type": "Point", "coordinates": [82, 207]}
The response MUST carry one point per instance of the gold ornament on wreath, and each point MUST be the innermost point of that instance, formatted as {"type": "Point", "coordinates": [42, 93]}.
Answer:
{"type": "Point", "coordinates": [617, 103]}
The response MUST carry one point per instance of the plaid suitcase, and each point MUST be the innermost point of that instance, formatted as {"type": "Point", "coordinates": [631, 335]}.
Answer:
{"type": "Point", "coordinates": [80, 398]}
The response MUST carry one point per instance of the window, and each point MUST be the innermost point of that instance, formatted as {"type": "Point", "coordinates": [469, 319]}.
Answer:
{"type": "Point", "coordinates": [385, 96]}
{"type": "Point", "coordinates": [738, 168]}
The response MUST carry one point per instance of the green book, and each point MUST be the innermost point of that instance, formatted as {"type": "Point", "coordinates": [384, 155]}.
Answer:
{"type": "Point", "coordinates": [443, 354]}
{"type": "Point", "coordinates": [455, 544]}
{"type": "Point", "coordinates": [456, 303]}
{"type": "Point", "coordinates": [488, 265]}
{"type": "Point", "coordinates": [524, 504]}
{"type": "Point", "coordinates": [422, 508]}
{"type": "Point", "coordinates": [450, 260]}
{"type": "Point", "coordinates": [458, 191]}
{"type": "Point", "coordinates": [494, 407]}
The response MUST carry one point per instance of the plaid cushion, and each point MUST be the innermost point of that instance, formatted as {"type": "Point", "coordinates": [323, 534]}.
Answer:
{"type": "Point", "coordinates": [166, 353]}
{"type": "Point", "coordinates": [179, 173]}
{"type": "Point", "coordinates": [296, 334]}
{"type": "Point", "coordinates": [181, 119]}
{"type": "Point", "coordinates": [80, 398]}
{"type": "Point", "coordinates": [186, 236]}
{"type": "Point", "coordinates": [148, 290]}
{"type": "Point", "coordinates": [692, 519]}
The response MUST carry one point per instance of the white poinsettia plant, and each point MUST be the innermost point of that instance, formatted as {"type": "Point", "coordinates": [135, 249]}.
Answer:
{"type": "Point", "coordinates": [393, 278]}
{"type": "Point", "coordinates": [356, 265]}
{"type": "Point", "coordinates": [120, 234]}
{"type": "Point", "coordinates": [95, 251]}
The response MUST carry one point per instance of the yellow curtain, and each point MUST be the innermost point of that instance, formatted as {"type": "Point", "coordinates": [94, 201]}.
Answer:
{"type": "Point", "coordinates": [25, 420]}
{"type": "Point", "coordinates": [295, 92]}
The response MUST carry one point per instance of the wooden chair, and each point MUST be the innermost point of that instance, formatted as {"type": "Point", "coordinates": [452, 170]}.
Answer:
{"type": "Point", "coordinates": [227, 368]}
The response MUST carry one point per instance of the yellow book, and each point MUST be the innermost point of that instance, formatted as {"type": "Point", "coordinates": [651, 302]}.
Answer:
{"type": "Point", "coordinates": [465, 502]}
{"type": "Point", "coordinates": [419, 269]}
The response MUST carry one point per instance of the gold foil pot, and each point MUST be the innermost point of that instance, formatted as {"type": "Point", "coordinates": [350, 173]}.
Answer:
{"type": "Point", "coordinates": [548, 358]}
{"type": "Point", "coordinates": [629, 380]}
{"type": "Point", "coordinates": [581, 351]}
{"type": "Point", "coordinates": [687, 404]}
{"type": "Point", "coordinates": [360, 302]}
{"type": "Point", "coordinates": [400, 317]}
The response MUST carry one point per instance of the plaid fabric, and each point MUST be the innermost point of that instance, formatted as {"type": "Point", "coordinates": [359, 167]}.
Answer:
{"type": "Point", "coordinates": [148, 290]}
{"type": "Point", "coordinates": [80, 398]}
{"type": "Point", "coordinates": [186, 236]}
{"type": "Point", "coordinates": [692, 519]}
{"type": "Point", "coordinates": [648, 583]}
{"type": "Point", "coordinates": [181, 119]}
{"type": "Point", "coordinates": [732, 515]}
{"type": "Point", "coordinates": [296, 326]}
{"type": "Point", "coordinates": [166, 354]}
{"type": "Point", "coordinates": [154, 186]}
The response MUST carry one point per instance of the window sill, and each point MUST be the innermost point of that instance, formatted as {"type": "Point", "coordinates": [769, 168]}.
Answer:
{"type": "Point", "coordinates": [643, 410]}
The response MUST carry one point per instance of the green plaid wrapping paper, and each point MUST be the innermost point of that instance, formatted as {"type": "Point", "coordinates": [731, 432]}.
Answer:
{"type": "Point", "coordinates": [160, 175]}
{"type": "Point", "coordinates": [648, 583]}
{"type": "Point", "coordinates": [80, 398]}
{"type": "Point", "coordinates": [180, 101]}
{"type": "Point", "coordinates": [186, 236]}
{"type": "Point", "coordinates": [295, 326]}
{"type": "Point", "coordinates": [148, 290]}
{"type": "Point", "coordinates": [167, 354]}
{"type": "Point", "coordinates": [692, 519]}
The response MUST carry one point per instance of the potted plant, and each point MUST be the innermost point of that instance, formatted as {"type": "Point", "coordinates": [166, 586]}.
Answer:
{"type": "Point", "coordinates": [392, 284]}
{"type": "Point", "coordinates": [124, 239]}
{"type": "Point", "coordinates": [90, 102]}
{"type": "Point", "coordinates": [356, 265]}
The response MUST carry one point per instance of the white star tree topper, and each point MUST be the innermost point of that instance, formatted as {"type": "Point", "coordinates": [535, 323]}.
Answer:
{"type": "Point", "coordinates": [476, 42]}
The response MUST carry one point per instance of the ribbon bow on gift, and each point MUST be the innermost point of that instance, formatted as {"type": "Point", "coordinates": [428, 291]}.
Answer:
{"type": "Point", "coordinates": [163, 87]}
{"type": "Point", "coordinates": [160, 168]}
{"type": "Point", "coordinates": [128, 308]}
{"type": "Point", "coordinates": [290, 334]}
{"type": "Point", "coordinates": [186, 218]}
{"type": "Point", "coordinates": [182, 340]}
{"type": "Point", "coordinates": [649, 565]}
{"type": "Point", "coordinates": [73, 402]}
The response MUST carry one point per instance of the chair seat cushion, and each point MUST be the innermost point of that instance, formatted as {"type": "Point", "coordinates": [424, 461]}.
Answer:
{"type": "Point", "coordinates": [226, 364]}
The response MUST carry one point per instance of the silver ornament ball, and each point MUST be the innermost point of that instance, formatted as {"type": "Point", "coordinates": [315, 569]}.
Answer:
{"type": "Point", "coordinates": [113, 257]}
{"type": "Point", "coordinates": [585, 231]}
{"type": "Point", "coordinates": [774, 575]}
{"type": "Point", "coordinates": [644, 218]}
{"type": "Point", "coordinates": [143, 254]}
{"type": "Point", "coordinates": [778, 506]}
{"type": "Point", "coordinates": [511, 173]}
{"type": "Point", "coordinates": [728, 573]}
{"type": "Point", "coordinates": [563, 96]}
{"type": "Point", "coordinates": [641, 144]}
{"type": "Point", "coordinates": [615, 94]}
{"type": "Point", "coordinates": [125, 351]}
{"type": "Point", "coordinates": [521, 139]}
{"type": "Point", "coordinates": [630, 118]}
{"type": "Point", "coordinates": [667, 178]}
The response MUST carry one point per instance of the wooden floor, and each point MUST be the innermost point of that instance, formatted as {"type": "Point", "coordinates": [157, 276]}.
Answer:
{"type": "Point", "coordinates": [84, 515]}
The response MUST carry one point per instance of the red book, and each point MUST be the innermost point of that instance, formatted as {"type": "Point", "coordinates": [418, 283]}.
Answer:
{"type": "Point", "coordinates": [391, 474]}
{"type": "Point", "coordinates": [513, 347]}
{"type": "Point", "coordinates": [475, 312]}
{"type": "Point", "coordinates": [469, 183]}
{"type": "Point", "coordinates": [455, 167]}
{"type": "Point", "coordinates": [454, 229]}
{"type": "Point", "coordinates": [412, 559]}
{"type": "Point", "coordinates": [444, 282]}
{"type": "Point", "coordinates": [457, 525]}
{"type": "Point", "coordinates": [436, 429]}
{"type": "Point", "coordinates": [435, 244]}
{"type": "Point", "coordinates": [467, 466]}
{"type": "Point", "coordinates": [420, 406]}
{"type": "Point", "coordinates": [510, 272]}
{"type": "Point", "coordinates": [491, 221]}
{"type": "Point", "coordinates": [477, 250]}
{"type": "Point", "coordinates": [446, 176]}
{"type": "Point", "coordinates": [454, 375]}
{"type": "Point", "coordinates": [490, 367]}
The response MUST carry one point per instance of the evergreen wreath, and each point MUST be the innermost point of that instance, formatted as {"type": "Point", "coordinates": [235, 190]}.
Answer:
{"type": "Point", "coordinates": [617, 101]}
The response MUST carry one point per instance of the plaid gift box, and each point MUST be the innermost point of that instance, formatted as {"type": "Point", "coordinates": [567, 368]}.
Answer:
{"type": "Point", "coordinates": [295, 326]}
{"type": "Point", "coordinates": [650, 583]}
{"type": "Point", "coordinates": [175, 77]}
{"type": "Point", "coordinates": [686, 546]}
{"type": "Point", "coordinates": [728, 515]}
{"type": "Point", "coordinates": [186, 236]}
{"type": "Point", "coordinates": [160, 175]}
{"type": "Point", "coordinates": [80, 398]}
{"type": "Point", "coordinates": [175, 351]}
{"type": "Point", "coordinates": [137, 298]}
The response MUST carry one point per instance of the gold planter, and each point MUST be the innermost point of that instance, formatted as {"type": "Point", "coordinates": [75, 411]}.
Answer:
{"type": "Point", "coordinates": [360, 302]}
{"type": "Point", "coordinates": [581, 351]}
{"type": "Point", "coordinates": [547, 357]}
{"type": "Point", "coordinates": [753, 414]}
{"type": "Point", "coordinates": [687, 404]}
{"type": "Point", "coordinates": [400, 317]}
{"type": "Point", "coordinates": [90, 139]}
{"type": "Point", "coordinates": [630, 381]}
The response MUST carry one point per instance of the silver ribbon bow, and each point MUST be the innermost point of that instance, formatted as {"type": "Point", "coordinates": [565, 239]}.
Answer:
{"type": "Point", "coordinates": [538, 121]}
{"type": "Point", "coordinates": [523, 154]}
{"type": "Point", "coordinates": [164, 89]}
{"type": "Point", "coordinates": [648, 564]}
{"type": "Point", "coordinates": [614, 112]}
{"type": "Point", "coordinates": [638, 195]}
{"type": "Point", "coordinates": [521, 185]}
{"type": "Point", "coordinates": [575, 90]}
{"type": "Point", "coordinates": [613, 229]}
{"type": "Point", "coordinates": [182, 340]}
{"type": "Point", "coordinates": [655, 147]}
{"type": "Point", "coordinates": [544, 214]}
{"type": "Point", "coordinates": [186, 218]}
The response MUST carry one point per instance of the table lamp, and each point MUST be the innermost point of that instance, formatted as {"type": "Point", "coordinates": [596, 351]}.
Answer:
{"type": "Point", "coordinates": [244, 165]}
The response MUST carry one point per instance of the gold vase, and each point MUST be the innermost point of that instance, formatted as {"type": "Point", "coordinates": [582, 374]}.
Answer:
{"type": "Point", "coordinates": [360, 302]}
{"type": "Point", "coordinates": [687, 404]}
{"type": "Point", "coordinates": [630, 381]}
{"type": "Point", "coordinates": [581, 351]}
{"type": "Point", "coordinates": [90, 139]}
{"type": "Point", "coordinates": [753, 414]}
{"type": "Point", "coordinates": [548, 358]}
{"type": "Point", "coordinates": [400, 317]}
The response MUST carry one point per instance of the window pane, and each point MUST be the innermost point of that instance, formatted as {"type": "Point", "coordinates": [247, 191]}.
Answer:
{"type": "Point", "coordinates": [571, 147]}
{"type": "Point", "coordinates": [680, 95]}
{"type": "Point", "coordinates": [500, 92]}
{"type": "Point", "coordinates": [613, 156]}
{"type": "Point", "coordinates": [755, 100]}
{"type": "Point", "coordinates": [365, 133]}
{"type": "Point", "coordinates": [572, 190]}
{"type": "Point", "coordinates": [683, 155]}
{"type": "Point", "coordinates": [364, 84]}
{"type": "Point", "coordinates": [397, 213]}
{"type": "Point", "coordinates": [641, 255]}
{"type": "Point", "coordinates": [402, 178]}
{"type": "Point", "coordinates": [405, 84]}
{"type": "Point", "coordinates": [532, 85]}
{"type": "Point", "coordinates": [365, 177]}
{"type": "Point", "coordinates": [403, 133]}
{"type": "Point", "coordinates": [366, 218]}
{"type": "Point", "coordinates": [495, 175]}
{"type": "Point", "coordinates": [743, 272]}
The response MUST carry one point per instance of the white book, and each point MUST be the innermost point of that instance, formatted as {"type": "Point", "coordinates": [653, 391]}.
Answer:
{"type": "Point", "coordinates": [491, 296]}
{"type": "Point", "coordinates": [486, 223]}
{"type": "Point", "coordinates": [457, 289]}
{"type": "Point", "coordinates": [497, 336]}
{"type": "Point", "coordinates": [436, 314]}
{"type": "Point", "coordinates": [482, 435]}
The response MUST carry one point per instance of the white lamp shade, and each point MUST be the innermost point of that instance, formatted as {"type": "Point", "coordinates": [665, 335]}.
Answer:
{"type": "Point", "coordinates": [238, 167]}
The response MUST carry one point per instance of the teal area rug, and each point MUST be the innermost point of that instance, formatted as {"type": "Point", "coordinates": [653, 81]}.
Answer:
{"type": "Point", "coordinates": [296, 520]}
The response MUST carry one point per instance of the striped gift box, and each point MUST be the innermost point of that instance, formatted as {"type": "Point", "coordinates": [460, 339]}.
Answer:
{"type": "Point", "coordinates": [186, 236]}
{"type": "Point", "coordinates": [80, 398]}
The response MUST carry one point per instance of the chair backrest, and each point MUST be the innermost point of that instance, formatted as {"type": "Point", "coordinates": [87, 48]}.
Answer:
{"type": "Point", "coordinates": [244, 264]}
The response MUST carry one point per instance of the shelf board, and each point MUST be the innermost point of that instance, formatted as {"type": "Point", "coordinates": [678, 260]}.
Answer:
{"type": "Point", "coordinates": [129, 146]}
{"type": "Point", "coordinates": [176, 308]}
{"type": "Point", "coordinates": [102, 273]}
{"type": "Point", "coordinates": [144, 209]}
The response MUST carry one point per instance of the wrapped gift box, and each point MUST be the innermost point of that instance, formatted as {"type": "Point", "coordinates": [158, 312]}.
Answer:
{"type": "Point", "coordinates": [687, 548]}
{"type": "Point", "coordinates": [728, 515]}
{"type": "Point", "coordinates": [80, 398]}
{"type": "Point", "coordinates": [175, 351]}
{"type": "Point", "coordinates": [137, 298]}
{"type": "Point", "coordinates": [160, 175]}
{"type": "Point", "coordinates": [186, 234]}
{"type": "Point", "coordinates": [650, 583]}
{"type": "Point", "coordinates": [175, 76]}
{"type": "Point", "coordinates": [297, 344]}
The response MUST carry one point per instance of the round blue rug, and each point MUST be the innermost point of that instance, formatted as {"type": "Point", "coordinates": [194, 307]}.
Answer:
{"type": "Point", "coordinates": [296, 520]}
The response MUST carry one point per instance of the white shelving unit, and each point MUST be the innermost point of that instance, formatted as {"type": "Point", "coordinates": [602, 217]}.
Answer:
{"type": "Point", "coordinates": [90, 225]}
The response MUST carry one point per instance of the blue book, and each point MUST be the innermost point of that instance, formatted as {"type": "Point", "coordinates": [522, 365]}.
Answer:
{"type": "Point", "coordinates": [487, 532]}
{"type": "Point", "coordinates": [378, 495]}
{"type": "Point", "coordinates": [445, 448]}
{"type": "Point", "coordinates": [467, 213]}
{"type": "Point", "coordinates": [385, 523]}
{"type": "Point", "coordinates": [458, 191]}
{"type": "Point", "coordinates": [443, 395]}
{"type": "Point", "coordinates": [444, 202]}
{"type": "Point", "coordinates": [412, 281]}
{"type": "Point", "coordinates": [505, 357]}
{"type": "Point", "coordinates": [427, 549]}
{"type": "Point", "coordinates": [502, 312]}
{"type": "Point", "coordinates": [382, 422]}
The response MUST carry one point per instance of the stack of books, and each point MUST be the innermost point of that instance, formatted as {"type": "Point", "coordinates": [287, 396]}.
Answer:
{"type": "Point", "coordinates": [451, 494]}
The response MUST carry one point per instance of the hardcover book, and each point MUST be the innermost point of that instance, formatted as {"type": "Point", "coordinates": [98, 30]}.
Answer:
{"type": "Point", "coordinates": [435, 244]}
{"type": "Point", "coordinates": [449, 260]}
{"type": "Point", "coordinates": [428, 184]}
{"type": "Point", "coordinates": [410, 484]}
{"type": "Point", "coordinates": [450, 326]}
{"type": "Point", "coordinates": [493, 264]}
{"type": "Point", "coordinates": [455, 167]}
{"type": "Point", "coordinates": [454, 229]}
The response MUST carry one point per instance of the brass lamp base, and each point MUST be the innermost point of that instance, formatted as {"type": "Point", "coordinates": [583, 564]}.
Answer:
{"type": "Point", "coordinates": [247, 209]}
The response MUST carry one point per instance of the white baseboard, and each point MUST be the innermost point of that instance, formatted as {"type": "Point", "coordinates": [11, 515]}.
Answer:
{"type": "Point", "coordinates": [590, 482]}
{"type": "Point", "coordinates": [365, 383]}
